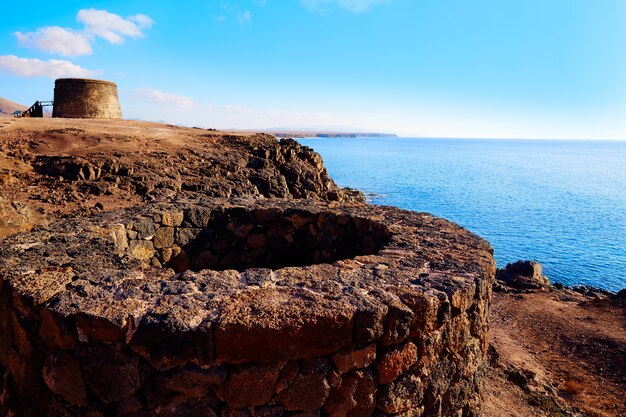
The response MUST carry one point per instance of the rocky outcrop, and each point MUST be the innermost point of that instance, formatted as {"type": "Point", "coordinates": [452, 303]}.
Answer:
{"type": "Point", "coordinates": [257, 166]}
{"type": "Point", "coordinates": [523, 275]}
{"type": "Point", "coordinates": [14, 217]}
{"type": "Point", "coordinates": [64, 168]}
{"type": "Point", "coordinates": [244, 307]}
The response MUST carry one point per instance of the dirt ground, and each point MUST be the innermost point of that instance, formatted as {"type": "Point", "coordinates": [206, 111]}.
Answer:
{"type": "Point", "coordinates": [55, 168]}
{"type": "Point", "coordinates": [556, 353]}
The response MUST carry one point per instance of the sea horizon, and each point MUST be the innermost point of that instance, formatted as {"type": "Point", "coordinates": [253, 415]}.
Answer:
{"type": "Point", "coordinates": [558, 202]}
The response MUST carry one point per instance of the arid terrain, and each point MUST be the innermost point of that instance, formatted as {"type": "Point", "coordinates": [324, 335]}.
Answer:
{"type": "Point", "coordinates": [555, 352]}
{"type": "Point", "coordinates": [54, 168]}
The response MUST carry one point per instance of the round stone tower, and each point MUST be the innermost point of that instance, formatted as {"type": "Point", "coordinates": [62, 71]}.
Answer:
{"type": "Point", "coordinates": [86, 99]}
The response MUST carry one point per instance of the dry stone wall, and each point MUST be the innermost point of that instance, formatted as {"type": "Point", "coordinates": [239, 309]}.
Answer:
{"type": "Point", "coordinates": [191, 309]}
{"type": "Point", "coordinates": [86, 99]}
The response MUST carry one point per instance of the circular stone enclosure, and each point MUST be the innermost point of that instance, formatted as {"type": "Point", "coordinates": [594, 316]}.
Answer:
{"type": "Point", "coordinates": [245, 307]}
{"type": "Point", "coordinates": [86, 99]}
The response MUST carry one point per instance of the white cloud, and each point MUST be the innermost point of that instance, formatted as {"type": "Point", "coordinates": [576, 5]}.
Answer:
{"type": "Point", "coordinates": [97, 24]}
{"type": "Point", "coordinates": [142, 20]}
{"type": "Point", "coordinates": [113, 27]}
{"type": "Point", "coordinates": [154, 95]}
{"type": "Point", "coordinates": [354, 6]}
{"type": "Point", "coordinates": [55, 39]}
{"type": "Point", "coordinates": [30, 67]}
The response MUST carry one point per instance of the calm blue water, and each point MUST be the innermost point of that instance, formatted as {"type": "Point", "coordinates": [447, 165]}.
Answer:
{"type": "Point", "coordinates": [562, 203]}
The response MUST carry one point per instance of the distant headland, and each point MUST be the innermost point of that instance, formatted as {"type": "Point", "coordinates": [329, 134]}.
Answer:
{"type": "Point", "coordinates": [317, 134]}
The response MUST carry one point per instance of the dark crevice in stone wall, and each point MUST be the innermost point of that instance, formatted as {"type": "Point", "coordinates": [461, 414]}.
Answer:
{"type": "Point", "coordinates": [239, 239]}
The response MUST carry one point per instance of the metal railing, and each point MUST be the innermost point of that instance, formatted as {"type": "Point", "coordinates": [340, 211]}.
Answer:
{"type": "Point", "coordinates": [36, 110]}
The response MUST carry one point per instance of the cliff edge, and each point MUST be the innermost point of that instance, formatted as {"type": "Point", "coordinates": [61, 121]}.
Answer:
{"type": "Point", "coordinates": [168, 271]}
{"type": "Point", "coordinates": [59, 168]}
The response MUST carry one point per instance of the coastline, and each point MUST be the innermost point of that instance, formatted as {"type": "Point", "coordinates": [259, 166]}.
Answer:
{"type": "Point", "coordinates": [553, 350]}
{"type": "Point", "coordinates": [529, 199]}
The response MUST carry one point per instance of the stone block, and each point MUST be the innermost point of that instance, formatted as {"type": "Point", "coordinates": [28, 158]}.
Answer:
{"type": "Point", "coordinates": [194, 381]}
{"type": "Point", "coordinates": [354, 397]}
{"type": "Point", "coordinates": [119, 235]}
{"type": "Point", "coordinates": [172, 218]}
{"type": "Point", "coordinates": [309, 389]}
{"type": "Point", "coordinates": [182, 406]}
{"type": "Point", "coordinates": [197, 216]}
{"type": "Point", "coordinates": [164, 237]}
{"type": "Point", "coordinates": [144, 227]}
{"type": "Point", "coordinates": [111, 375]}
{"type": "Point", "coordinates": [56, 331]}
{"type": "Point", "coordinates": [98, 328]}
{"type": "Point", "coordinates": [249, 386]}
{"type": "Point", "coordinates": [62, 374]}
{"type": "Point", "coordinates": [185, 235]}
{"type": "Point", "coordinates": [395, 362]}
{"type": "Point", "coordinates": [404, 393]}
{"type": "Point", "coordinates": [314, 326]}
{"type": "Point", "coordinates": [346, 361]}
{"type": "Point", "coordinates": [255, 241]}
{"type": "Point", "coordinates": [141, 249]}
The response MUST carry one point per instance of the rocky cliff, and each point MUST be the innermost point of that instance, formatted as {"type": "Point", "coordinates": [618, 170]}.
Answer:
{"type": "Point", "coordinates": [63, 168]}
{"type": "Point", "coordinates": [183, 272]}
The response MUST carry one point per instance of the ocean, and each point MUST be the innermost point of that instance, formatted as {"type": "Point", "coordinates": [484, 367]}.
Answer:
{"type": "Point", "coordinates": [561, 203]}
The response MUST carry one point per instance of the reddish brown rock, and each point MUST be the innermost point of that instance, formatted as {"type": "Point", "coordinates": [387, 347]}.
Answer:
{"type": "Point", "coordinates": [308, 390]}
{"type": "Point", "coordinates": [524, 275]}
{"type": "Point", "coordinates": [255, 328]}
{"type": "Point", "coordinates": [164, 237]}
{"type": "Point", "coordinates": [256, 241]}
{"type": "Point", "coordinates": [346, 361]}
{"type": "Point", "coordinates": [172, 218]}
{"type": "Point", "coordinates": [193, 381]}
{"type": "Point", "coordinates": [182, 406]}
{"type": "Point", "coordinates": [166, 337]}
{"type": "Point", "coordinates": [57, 332]}
{"type": "Point", "coordinates": [98, 328]}
{"type": "Point", "coordinates": [248, 386]}
{"type": "Point", "coordinates": [63, 375]}
{"type": "Point", "coordinates": [395, 362]}
{"type": "Point", "coordinates": [398, 320]}
{"type": "Point", "coordinates": [404, 393]}
{"type": "Point", "coordinates": [424, 307]}
{"type": "Point", "coordinates": [111, 375]}
{"type": "Point", "coordinates": [132, 407]}
{"type": "Point", "coordinates": [355, 397]}
{"type": "Point", "coordinates": [296, 324]}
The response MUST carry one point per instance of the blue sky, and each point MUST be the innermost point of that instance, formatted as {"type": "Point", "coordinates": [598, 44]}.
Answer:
{"type": "Point", "coordinates": [445, 68]}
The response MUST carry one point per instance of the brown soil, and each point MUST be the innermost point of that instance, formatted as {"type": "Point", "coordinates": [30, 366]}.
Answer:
{"type": "Point", "coordinates": [556, 353]}
{"type": "Point", "coordinates": [59, 168]}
